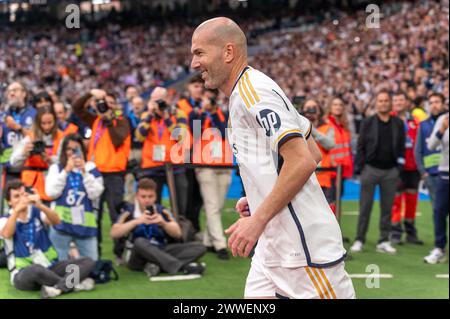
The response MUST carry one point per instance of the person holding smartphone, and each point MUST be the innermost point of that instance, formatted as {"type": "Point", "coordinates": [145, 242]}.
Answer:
{"type": "Point", "coordinates": [151, 230]}
{"type": "Point", "coordinates": [76, 186]}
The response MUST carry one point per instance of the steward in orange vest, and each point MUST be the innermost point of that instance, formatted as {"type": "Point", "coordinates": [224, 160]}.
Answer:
{"type": "Point", "coordinates": [109, 149]}
{"type": "Point", "coordinates": [341, 154]}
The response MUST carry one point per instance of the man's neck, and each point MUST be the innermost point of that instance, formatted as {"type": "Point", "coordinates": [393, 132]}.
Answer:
{"type": "Point", "coordinates": [384, 116]}
{"type": "Point", "coordinates": [236, 71]}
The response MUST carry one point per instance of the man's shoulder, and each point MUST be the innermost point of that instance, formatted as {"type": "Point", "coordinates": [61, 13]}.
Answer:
{"type": "Point", "coordinates": [254, 87]}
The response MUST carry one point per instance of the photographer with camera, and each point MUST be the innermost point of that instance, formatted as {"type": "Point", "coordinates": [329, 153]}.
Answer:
{"type": "Point", "coordinates": [76, 186]}
{"type": "Point", "coordinates": [212, 148]}
{"type": "Point", "coordinates": [32, 259]}
{"type": "Point", "coordinates": [37, 150]}
{"type": "Point", "coordinates": [323, 133]}
{"type": "Point", "coordinates": [160, 130]}
{"type": "Point", "coordinates": [149, 228]}
{"type": "Point", "coordinates": [18, 119]}
{"type": "Point", "coordinates": [109, 149]}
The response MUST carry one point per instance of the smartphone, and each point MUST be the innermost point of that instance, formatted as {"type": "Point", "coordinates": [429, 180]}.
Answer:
{"type": "Point", "coordinates": [77, 152]}
{"type": "Point", "coordinates": [150, 210]}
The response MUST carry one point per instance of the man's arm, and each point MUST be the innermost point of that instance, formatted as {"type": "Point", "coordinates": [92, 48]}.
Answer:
{"type": "Point", "coordinates": [314, 149]}
{"type": "Point", "coordinates": [118, 131]}
{"type": "Point", "coordinates": [80, 109]}
{"type": "Point", "coordinates": [51, 216]}
{"type": "Point", "coordinates": [10, 227]}
{"type": "Point", "coordinates": [122, 228]}
{"type": "Point", "coordinates": [298, 165]}
{"type": "Point", "coordinates": [418, 153]}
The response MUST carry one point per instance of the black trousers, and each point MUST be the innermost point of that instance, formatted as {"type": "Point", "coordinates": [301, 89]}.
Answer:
{"type": "Point", "coordinates": [195, 200]}
{"type": "Point", "coordinates": [171, 259]}
{"type": "Point", "coordinates": [35, 276]}
{"type": "Point", "coordinates": [113, 196]}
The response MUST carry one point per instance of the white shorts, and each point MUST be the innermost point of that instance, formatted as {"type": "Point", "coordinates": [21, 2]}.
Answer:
{"type": "Point", "coordinates": [298, 283]}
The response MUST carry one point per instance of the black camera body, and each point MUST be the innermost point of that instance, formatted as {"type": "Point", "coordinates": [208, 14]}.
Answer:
{"type": "Point", "coordinates": [38, 147]}
{"type": "Point", "coordinates": [102, 106]}
{"type": "Point", "coordinates": [162, 105]}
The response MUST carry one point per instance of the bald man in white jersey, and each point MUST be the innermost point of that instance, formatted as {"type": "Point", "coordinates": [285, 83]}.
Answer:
{"type": "Point", "coordinates": [299, 251]}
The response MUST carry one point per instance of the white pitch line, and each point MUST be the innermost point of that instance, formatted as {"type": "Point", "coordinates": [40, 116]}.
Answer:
{"type": "Point", "coordinates": [176, 277]}
{"type": "Point", "coordinates": [373, 276]}
{"type": "Point", "coordinates": [442, 276]}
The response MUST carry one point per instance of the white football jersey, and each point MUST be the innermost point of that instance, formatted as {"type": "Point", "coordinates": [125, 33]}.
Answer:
{"type": "Point", "coordinates": [306, 232]}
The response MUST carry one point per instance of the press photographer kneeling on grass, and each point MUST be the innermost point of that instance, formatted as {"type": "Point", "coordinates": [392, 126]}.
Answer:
{"type": "Point", "coordinates": [149, 228]}
{"type": "Point", "coordinates": [32, 259]}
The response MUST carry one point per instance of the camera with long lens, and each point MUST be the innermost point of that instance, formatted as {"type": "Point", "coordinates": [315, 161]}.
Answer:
{"type": "Point", "coordinates": [38, 147]}
{"type": "Point", "coordinates": [102, 106]}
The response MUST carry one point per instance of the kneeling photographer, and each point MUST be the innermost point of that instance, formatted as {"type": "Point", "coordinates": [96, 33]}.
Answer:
{"type": "Point", "coordinates": [149, 228]}
{"type": "Point", "coordinates": [37, 151]}
{"type": "Point", "coordinates": [109, 149]}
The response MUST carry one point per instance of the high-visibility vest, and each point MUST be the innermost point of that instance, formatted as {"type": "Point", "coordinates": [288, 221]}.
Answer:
{"type": "Point", "coordinates": [36, 178]}
{"type": "Point", "coordinates": [341, 154]}
{"type": "Point", "coordinates": [215, 150]}
{"type": "Point", "coordinates": [325, 177]}
{"type": "Point", "coordinates": [102, 152]}
{"type": "Point", "coordinates": [185, 106]}
{"type": "Point", "coordinates": [71, 129]}
{"type": "Point", "coordinates": [158, 145]}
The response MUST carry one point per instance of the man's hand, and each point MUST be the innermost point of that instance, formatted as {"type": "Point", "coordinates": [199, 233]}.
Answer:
{"type": "Point", "coordinates": [98, 94]}
{"type": "Point", "coordinates": [244, 235]}
{"type": "Point", "coordinates": [444, 125]}
{"type": "Point", "coordinates": [70, 164]}
{"type": "Point", "coordinates": [242, 207]}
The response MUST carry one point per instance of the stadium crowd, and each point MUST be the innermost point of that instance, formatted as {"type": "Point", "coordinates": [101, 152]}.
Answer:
{"type": "Point", "coordinates": [86, 122]}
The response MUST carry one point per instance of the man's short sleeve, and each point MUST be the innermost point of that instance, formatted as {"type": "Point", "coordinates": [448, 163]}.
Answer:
{"type": "Point", "coordinates": [279, 119]}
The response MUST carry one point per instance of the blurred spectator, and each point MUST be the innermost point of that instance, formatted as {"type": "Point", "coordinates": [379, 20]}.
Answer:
{"type": "Point", "coordinates": [159, 132]}
{"type": "Point", "coordinates": [19, 118]}
{"type": "Point", "coordinates": [109, 149]}
{"type": "Point", "coordinates": [408, 183]}
{"type": "Point", "coordinates": [341, 153]}
{"type": "Point", "coordinates": [381, 150]}
{"type": "Point", "coordinates": [134, 117]}
{"type": "Point", "coordinates": [210, 147]}
{"type": "Point", "coordinates": [428, 160]}
{"type": "Point", "coordinates": [76, 186]}
{"type": "Point", "coordinates": [440, 138]}
{"type": "Point", "coordinates": [43, 100]}
{"type": "Point", "coordinates": [33, 260]}
{"type": "Point", "coordinates": [130, 93]}
{"type": "Point", "coordinates": [38, 150]}
{"type": "Point", "coordinates": [63, 114]}
{"type": "Point", "coordinates": [149, 228]}
{"type": "Point", "coordinates": [323, 133]}
{"type": "Point", "coordinates": [187, 105]}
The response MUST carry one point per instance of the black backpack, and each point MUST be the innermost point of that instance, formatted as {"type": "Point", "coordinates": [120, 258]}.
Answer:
{"type": "Point", "coordinates": [104, 272]}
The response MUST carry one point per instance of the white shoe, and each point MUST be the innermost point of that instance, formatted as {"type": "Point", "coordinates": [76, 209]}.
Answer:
{"type": "Point", "coordinates": [437, 255]}
{"type": "Point", "coordinates": [86, 285]}
{"type": "Point", "coordinates": [357, 246]}
{"type": "Point", "coordinates": [50, 292]}
{"type": "Point", "coordinates": [386, 247]}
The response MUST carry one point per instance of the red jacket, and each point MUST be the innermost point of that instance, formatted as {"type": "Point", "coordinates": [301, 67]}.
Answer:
{"type": "Point", "coordinates": [411, 127]}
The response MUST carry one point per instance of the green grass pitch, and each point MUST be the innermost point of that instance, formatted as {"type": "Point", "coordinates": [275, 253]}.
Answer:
{"type": "Point", "coordinates": [226, 279]}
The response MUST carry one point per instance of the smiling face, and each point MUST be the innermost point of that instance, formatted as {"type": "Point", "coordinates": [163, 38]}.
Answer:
{"type": "Point", "coordinates": [209, 59]}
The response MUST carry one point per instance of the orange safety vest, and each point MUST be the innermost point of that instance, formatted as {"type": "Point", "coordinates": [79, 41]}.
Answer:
{"type": "Point", "coordinates": [325, 177]}
{"type": "Point", "coordinates": [102, 152]}
{"type": "Point", "coordinates": [342, 152]}
{"type": "Point", "coordinates": [71, 129]}
{"type": "Point", "coordinates": [36, 179]}
{"type": "Point", "coordinates": [215, 150]}
{"type": "Point", "coordinates": [158, 140]}
{"type": "Point", "coordinates": [185, 106]}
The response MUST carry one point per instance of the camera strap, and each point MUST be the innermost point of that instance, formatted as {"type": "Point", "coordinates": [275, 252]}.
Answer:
{"type": "Point", "coordinates": [99, 132]}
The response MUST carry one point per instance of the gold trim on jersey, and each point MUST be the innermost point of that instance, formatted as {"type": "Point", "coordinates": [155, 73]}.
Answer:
{"type": "Point", "coordinates": [247, 91]}
{"type": "Point", "coordinates": [285, 133]}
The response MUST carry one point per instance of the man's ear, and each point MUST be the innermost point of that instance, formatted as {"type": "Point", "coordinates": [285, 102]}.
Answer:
{"type": "Point", "coordinates": [230, 52]}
